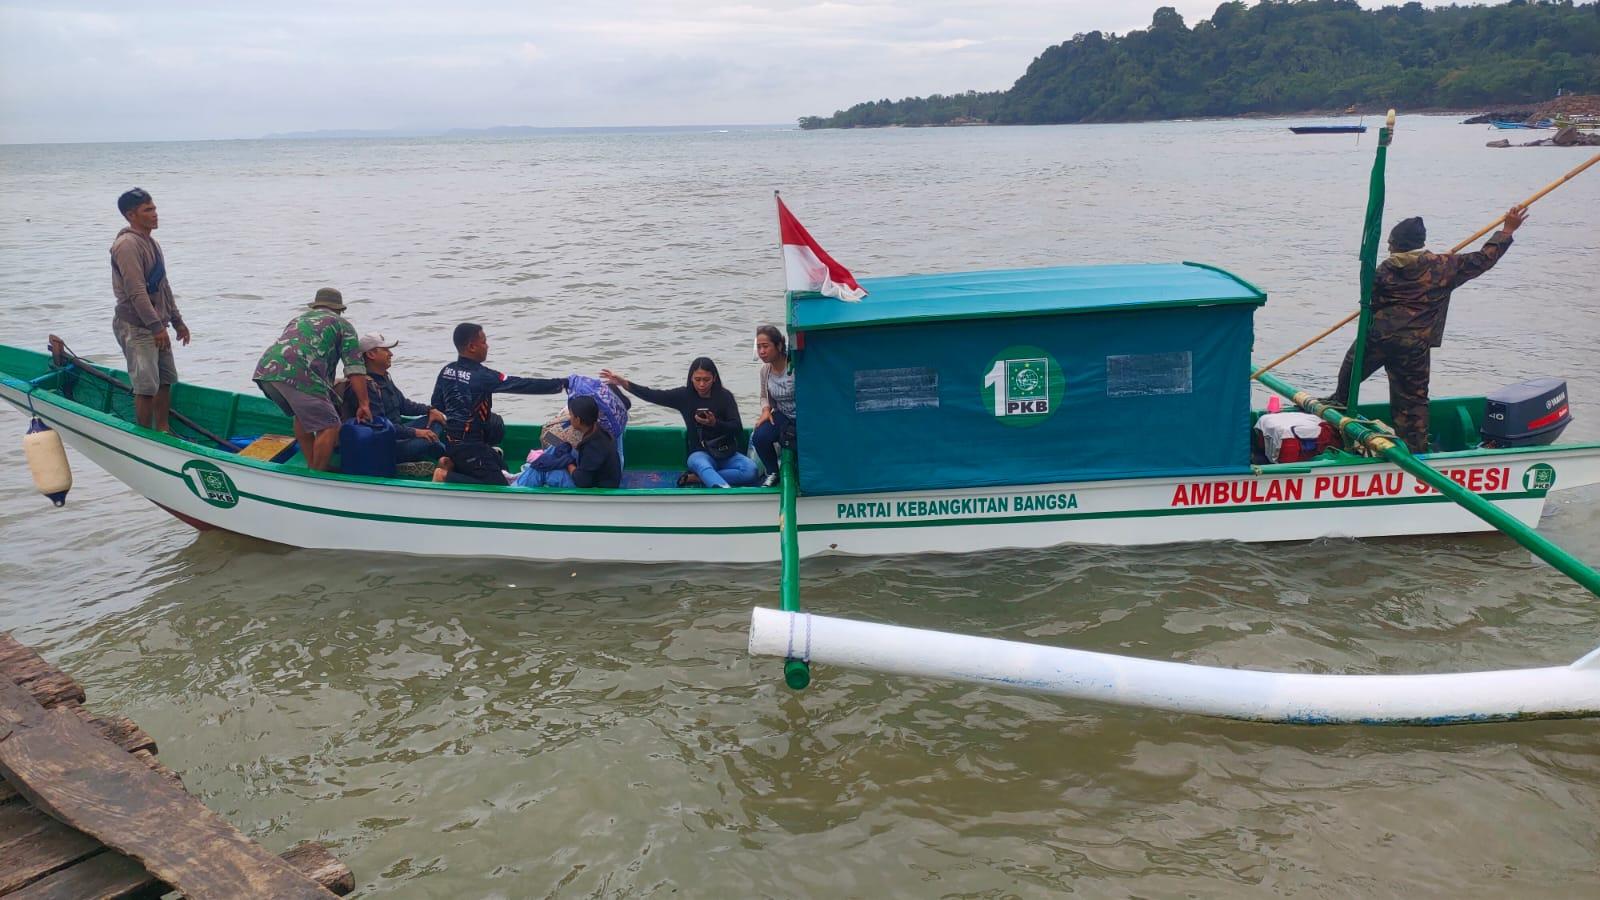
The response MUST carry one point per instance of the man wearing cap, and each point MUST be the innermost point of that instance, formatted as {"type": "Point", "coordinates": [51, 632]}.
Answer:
{"type": "Point", "coordinates": [145, 308]}
{"type": "Point", "coordinates": [296, 373]}
{"type": "Point", "coordinates": [418, 441]}
{"type": "Point", "coordinates": [1410, 298]}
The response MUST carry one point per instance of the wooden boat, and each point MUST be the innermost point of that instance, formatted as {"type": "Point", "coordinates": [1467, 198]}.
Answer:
{"type": "Point", "coordinates": [1164, 458]}
{"type": "Point", "coordinates": [802, 639]}
{"type": "Point", "coordinates": [1328, 129]}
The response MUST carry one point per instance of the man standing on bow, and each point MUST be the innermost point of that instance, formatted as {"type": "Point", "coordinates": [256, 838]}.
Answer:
{"type": "Point", "coordinates": [1410, 298]}
{"type": "Point", "coordinates": [144, 310]}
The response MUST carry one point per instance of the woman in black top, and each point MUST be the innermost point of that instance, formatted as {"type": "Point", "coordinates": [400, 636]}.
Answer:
{"type": "Point", "coordinates": [713, 432]}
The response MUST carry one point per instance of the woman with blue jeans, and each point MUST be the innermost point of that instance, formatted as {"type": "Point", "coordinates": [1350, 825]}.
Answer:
{"type": "Point", "coordinates": [777, 399]}
{"type": "Point", "coordinates": [713, 432]}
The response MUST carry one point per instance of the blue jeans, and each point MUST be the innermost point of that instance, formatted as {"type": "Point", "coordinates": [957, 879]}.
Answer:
{"type": "Point", "coordinates": [737, 470]}
{"type": "Point", "coordinates": [766, 438]}
{"type": "Point", "coordinates": [532, 477]}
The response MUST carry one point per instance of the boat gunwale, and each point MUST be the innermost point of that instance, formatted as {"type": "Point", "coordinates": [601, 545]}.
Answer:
{"type": "Point", "coordinates": [177, 443]}
{"type": "Point", "coordinates": [1341, 461]}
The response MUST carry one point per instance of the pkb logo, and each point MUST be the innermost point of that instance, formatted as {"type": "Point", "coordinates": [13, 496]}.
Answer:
{"type": "Point", "coordinates": [1023, 385]}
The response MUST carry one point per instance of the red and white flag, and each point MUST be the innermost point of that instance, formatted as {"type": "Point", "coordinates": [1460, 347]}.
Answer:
{"type": "Point", "coordinates": [808, 267]}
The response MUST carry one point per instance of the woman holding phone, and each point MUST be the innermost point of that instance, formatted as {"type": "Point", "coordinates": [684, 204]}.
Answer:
{"type": "Point", "coordinates": [713, 432]}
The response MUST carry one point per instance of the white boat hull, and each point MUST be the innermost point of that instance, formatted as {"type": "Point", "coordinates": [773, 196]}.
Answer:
{"type": "Point", "coordinates": [291, 506]}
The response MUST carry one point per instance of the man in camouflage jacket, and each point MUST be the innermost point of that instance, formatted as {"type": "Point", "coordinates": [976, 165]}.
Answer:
{"type": "Point", "coordinates": [1410, 298]}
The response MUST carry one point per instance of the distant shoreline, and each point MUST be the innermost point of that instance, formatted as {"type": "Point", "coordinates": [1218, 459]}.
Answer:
{"type": "Point", "coordinates": [1377, 112]}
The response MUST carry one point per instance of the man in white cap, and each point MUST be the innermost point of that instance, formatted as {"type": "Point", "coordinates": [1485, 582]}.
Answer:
{"type": "Point", "coordinates": [417, 441]}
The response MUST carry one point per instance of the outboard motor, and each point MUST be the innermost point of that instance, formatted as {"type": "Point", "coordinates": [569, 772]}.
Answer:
{"type": "Point", "coordinates": [1529, 414]}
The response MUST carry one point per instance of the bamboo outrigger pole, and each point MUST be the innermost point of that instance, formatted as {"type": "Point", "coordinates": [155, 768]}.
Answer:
{"type": "Point", "coordinates": [1396, 452]}
{"type": "Point", "coordinates": [1456, 249]}
{"type": "Point", "coordinates": [796, 668]}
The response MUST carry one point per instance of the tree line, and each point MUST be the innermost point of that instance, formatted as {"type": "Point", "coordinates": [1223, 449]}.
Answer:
{"type": "Point", "coordinates": [1281, 56]}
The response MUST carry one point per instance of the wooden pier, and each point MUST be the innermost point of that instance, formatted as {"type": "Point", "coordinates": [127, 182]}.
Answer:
{"type": "Point", "coordinates": [86, 810]}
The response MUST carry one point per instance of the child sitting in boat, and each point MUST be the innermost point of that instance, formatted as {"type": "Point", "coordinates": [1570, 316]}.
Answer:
{"type": "Point", "coordinates": [775, 426]}
{"type": "Point", "coordinates": [713, 431]}
{"type": "Point", "coordinates": [592, 462]}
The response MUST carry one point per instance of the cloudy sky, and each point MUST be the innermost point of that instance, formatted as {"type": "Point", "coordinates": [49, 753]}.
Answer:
{"type": "Point", "coordinates": [173, 70]}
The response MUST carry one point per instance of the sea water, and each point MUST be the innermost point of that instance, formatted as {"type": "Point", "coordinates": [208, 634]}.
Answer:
{"type": "Point", "coordinates": [481, 728]}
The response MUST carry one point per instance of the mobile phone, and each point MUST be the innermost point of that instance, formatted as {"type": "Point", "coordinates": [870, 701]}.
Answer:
{"type": "Point", "coordinates": [701, 413]}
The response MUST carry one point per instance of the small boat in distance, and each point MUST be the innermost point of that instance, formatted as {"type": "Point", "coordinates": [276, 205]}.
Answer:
{"type": "Point", "coordinates": [1328, 129]}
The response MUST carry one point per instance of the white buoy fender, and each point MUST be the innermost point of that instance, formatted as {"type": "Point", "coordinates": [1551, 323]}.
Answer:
{"type": "Point", "coordinates": [47, 460]}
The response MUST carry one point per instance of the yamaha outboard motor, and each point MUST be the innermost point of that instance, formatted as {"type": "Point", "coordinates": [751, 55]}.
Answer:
{"type": "Point", "coordinates": [1527, 414]}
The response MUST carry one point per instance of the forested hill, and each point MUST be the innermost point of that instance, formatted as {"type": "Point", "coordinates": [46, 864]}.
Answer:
{"type": "Point", "coordinates": [1281, 56]}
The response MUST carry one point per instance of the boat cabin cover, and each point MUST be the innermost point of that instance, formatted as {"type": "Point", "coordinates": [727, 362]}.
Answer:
{"type": "Point", "coordinates": [1024, 376]}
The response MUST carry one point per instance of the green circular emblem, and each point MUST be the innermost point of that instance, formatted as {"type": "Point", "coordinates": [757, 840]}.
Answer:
{"type": "Point", "coordinates": [210, 484]}
{"type": "Point", "coordinates": [1023, 386]}
{"type": "Point", "coordinates": [1539, 477]}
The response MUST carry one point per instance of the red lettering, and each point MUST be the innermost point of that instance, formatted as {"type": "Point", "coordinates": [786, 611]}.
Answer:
{"type": "Point", "coordinates": [1219, 493]}
{"type": "Point", "coordinates": [1199, 494]}
{"type": "Point", "coordinates": [1322, 485]}
{"type": "Point", "coordinates": [1239, 491]}
{"type": "Point", "coordinates": [1475, 481]}
{"type": "Point", "coordinates": [1394, 483]}
{"type": "Point", "coordinates": [1179, 498]}
{"type": "Point", "coordinates": [1294, 490]}
{"type": "Point", "coordinates": [1274, 491]}
{"type": "Point", "coordinates": [1341, 487]}
{"type": "Point", "coordinates": [1459, 476]}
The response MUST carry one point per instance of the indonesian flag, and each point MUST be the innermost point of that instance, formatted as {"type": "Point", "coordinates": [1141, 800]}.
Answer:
{"type": "Point", "coordinates": [807, 267]}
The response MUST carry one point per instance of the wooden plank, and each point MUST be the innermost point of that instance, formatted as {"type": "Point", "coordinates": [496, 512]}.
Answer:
{"type": "Point", "coordinates": [67, 770]}
{"type": "Point", "coordinates": [315, 862]}
{"type": "Point", "coordinates": [18, 709]}
{"type": "Point", "coordinates": [111, 876]}
{"type": "Point", "coordinates": [21, 665]}
{"type": "Point", "coordinates": [119, 730]}
{"type": "Point", "coordinates": [40, 851]}
{"type": "Point", "coordinates": [150, 761]}
{"type": "Point", "coordinates": [104, 876]}
{"type": "Point", "coordinates": [7, 792]}
{"type": "Point", "coordinates": [18, 820]}
{"type": "Point", "coordinates": [11, 648]}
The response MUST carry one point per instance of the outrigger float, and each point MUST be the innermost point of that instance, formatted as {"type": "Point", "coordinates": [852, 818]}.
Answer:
{"type": "Point", "coordinates": [955, 413]}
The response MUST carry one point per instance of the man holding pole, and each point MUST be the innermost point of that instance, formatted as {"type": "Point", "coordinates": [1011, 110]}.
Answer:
{"type": "Point", "coordinates": [1411, 296]}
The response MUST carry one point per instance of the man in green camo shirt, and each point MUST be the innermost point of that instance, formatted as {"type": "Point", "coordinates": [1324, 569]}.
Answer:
{"type": "Point", "coordinates": [296, 373]}
{"type": "Point", "coordinates": [1410, 299]}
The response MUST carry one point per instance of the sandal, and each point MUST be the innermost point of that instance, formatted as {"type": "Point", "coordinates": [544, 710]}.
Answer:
{"type": "Point", "coordinates": [689, 479]}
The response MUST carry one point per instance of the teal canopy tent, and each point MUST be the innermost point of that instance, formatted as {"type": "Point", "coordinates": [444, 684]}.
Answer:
{"type": "Point", "coordinates": [1024, 377]}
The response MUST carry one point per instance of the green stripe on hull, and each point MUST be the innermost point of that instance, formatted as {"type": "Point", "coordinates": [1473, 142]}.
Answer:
{"type": "Point", "coordinates": [836, 526]}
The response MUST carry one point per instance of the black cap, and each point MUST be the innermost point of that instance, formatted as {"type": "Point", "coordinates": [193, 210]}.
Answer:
{"type": "Point", "coordinates": [1410, 234]}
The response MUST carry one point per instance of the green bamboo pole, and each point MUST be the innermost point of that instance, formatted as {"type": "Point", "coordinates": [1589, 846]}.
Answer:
{"type": "Point", "coordinates": [1396, 452]}
{"type": "Point", "coordinates": [796, 672]}
{"type": "Point", "coordinates": [1370, 233]}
